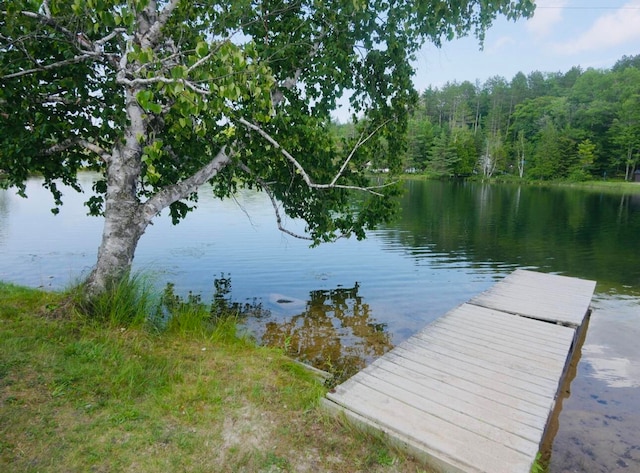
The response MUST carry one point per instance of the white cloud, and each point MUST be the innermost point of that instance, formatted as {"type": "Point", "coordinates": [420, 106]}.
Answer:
{"type": "Point", "coordinates": [610, 29]}
{"type": "Point", "coordinates": [617, 372]}
{"type": "Point", "coordinates": [548, 13]}
{"type": "Point", "coordinates": [500, 43]}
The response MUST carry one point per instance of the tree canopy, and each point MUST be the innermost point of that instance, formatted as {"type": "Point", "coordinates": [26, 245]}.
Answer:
{"type": "Point", "coordinates": [161, 97]}
{"type": "Point", "coordinates": [576, 125]}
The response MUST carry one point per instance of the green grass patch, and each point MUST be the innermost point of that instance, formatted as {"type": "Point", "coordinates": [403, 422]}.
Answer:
{"type": "Point", "coordinates": [129, 301]}
{"type": "Point", "coordinates": [610, 186]}
{"type": "Point", "coordinates": [115, 394]}
{"type": "Point", "coordinates": [617, 187]}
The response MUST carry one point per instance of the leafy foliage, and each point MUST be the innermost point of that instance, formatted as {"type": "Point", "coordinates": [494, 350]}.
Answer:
{"type": "Point", "coordinates": [163, 96]}
{"type": "Point", "coordinates": [575, 125]}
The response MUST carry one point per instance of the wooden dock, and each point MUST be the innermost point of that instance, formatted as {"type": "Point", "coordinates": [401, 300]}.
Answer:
{"type": "Point", "coordinates": [474, 391]}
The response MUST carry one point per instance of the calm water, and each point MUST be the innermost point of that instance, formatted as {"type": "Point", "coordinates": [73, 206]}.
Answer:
{"type": "Point", "coordinates": [343, 304]}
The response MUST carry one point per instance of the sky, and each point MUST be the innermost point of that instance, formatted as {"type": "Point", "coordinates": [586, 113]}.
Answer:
{"type": "Point", "coordinates": [561, 34]}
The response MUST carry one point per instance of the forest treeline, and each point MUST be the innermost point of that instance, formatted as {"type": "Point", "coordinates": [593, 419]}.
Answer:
{"type": "Point", "coordinates": [578, 125]}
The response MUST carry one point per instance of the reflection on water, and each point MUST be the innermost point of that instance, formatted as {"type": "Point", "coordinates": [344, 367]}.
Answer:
{"type": "Point", "coordinates": [600, 421]}
{"type": "Point", "coordinates": [341, 305]}
{"type": "Point", "coordinates": [615, 371]}
{"type": "Point", "coordinates": [4, 213]}
{"type": "Point", "coordinates": [574, 232]}
{"type": "Point", "coordinates": [335, 332]}
{"type": "Point", "coordinates": [611, 351]}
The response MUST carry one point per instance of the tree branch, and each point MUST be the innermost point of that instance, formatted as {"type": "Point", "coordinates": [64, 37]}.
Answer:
{"type": "Point", "coordinates": [48, 20]}
{"type": "Point", "coordinates": [90, 50]}
{"type": "Point", "coordinates": [48, 67]}
{"type": "Point", "coordinates": [106, 157]}
{"type": "Point", "coordinates": [71, 142]}
{"type": "Point", "coordinates": [46, 9]}
{"type": "Point", "coordinates": [102, 41]}
{"type": "Point", "coordinates": [161, 80]}
{"type": "Point", "coordinates": [51, 99]}
{"type": "Point", "coordinates": [182, 189]}
{"type": "Point", "coordinates": [274, 204]}
{"type": "Point", "coordinates": [360, 142]}
{"type": "Point", "coordinates": [276, 94]}
{"type": "Point", "coordinates": [154, 32]}
{"type": "Point", "coordinates": [301, 170]}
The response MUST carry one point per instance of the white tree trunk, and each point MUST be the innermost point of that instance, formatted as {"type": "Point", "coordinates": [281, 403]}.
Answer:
{"type": "Point", "coordinates": [126, 218]}
{"type": "Point", "coordinates": [628, 173]}
{"type": "Point", "coordinates": [124, 221]}
{"type": "Point", "coordinates": [123, 228]}
{"type": "Point", "coordinates": [522, 161]}
{"type": "Point", "coordinates": [488, 164]}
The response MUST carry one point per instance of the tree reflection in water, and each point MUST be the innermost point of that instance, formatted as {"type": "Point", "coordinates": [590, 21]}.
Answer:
{"type": "Point", "coordinates": [334, 333]}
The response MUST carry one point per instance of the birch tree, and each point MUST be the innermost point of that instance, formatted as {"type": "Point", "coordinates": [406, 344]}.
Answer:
{"type": "Point", "coordinates": [163, 96]}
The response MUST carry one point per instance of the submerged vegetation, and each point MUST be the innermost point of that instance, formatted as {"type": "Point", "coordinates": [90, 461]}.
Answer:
{"type": "Point", "coordinates": [118, 391]}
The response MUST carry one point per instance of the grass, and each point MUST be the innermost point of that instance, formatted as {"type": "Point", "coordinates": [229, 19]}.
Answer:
{"type": "Point", "coordinates": [130, 301]}
{"type": "Point", "coordinates": [608, 186]}
{"type": "Point", "coordinates": [112, 393]}
{"type": "Point", "coordinates": [539, 465]}
{"type": "Point", "coordinates": [612, 186]}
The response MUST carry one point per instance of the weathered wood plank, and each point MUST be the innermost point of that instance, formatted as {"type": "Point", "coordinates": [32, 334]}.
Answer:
{"type": "Point", "coordinates": [415, 402]}
{"type": "Point", "coordinates": [461, 446]}
{"type": "Point", "coordinates": [520, 343]}
{"type": "Point", "coordinates": [441, 398]}
{"type": "Point", "coordinates": [519, 398]}
{"type": "Point", "coordinates": [542, 336]}
{"type": "Point", "coordinates": [473, 391]}
{"type": "Point", "coordinates": [480, 353]}
{"type": "Point", "coordinates": [540, 296]}
{"type": "Point", "coordinates": [489, 379]}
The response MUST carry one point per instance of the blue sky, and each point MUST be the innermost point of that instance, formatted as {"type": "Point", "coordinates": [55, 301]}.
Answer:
{"type": "Point", "coordinates": [562, 34]}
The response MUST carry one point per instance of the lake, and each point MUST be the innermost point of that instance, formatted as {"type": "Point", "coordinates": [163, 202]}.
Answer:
{"type": "Point", "coordinates": [341, 305]}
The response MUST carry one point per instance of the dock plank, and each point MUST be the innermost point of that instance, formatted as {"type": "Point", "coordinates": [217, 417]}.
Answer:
{"type": "Point", "coordinates": [462, 447]}
{"type": "Point", "coordinates": [416, 401]}
{"type": "Point", "coordinates": [520, 343]}
{"type": "Point", "coordinates": [553, 298]}
{"type": "Point", "coordinates": [468, 403]}
{"type": "Point", "coordinates": [457, 380]}
{"type": "Point", "coordinates": [484, 376]}
{"type": "Point", "coordinates": [543, 335]}
{"type": "Point", "coordinates": [473, 391]}
{"type": "Point", "coordinates": [492, 355]}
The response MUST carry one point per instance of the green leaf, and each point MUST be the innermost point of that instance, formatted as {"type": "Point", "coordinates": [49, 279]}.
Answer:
{"type": "Point", "coordinates": [144, 97]}
{"type": "Point", "coordinates": [179, 72]}
{"type": "Point", "coordinates": [202, 49]}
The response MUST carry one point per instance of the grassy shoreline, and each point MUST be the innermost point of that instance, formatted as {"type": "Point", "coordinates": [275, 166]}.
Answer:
{"type": "Point", "coordinates": [80, 395]}
{"type": "Point", "coordinates": [601, 185]}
